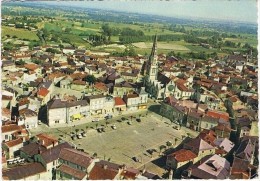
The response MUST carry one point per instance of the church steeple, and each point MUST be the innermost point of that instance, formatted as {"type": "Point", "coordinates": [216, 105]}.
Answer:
{"type": "Point", "coordinates": [153, 57]}
{"type": "Point", "coordinates": [152, 66]}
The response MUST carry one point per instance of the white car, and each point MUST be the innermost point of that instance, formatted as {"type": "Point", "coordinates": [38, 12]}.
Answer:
{"type": "Point", "coordinates": [113, 127]}
{"type": "Point", "coordinates": [95, 120]}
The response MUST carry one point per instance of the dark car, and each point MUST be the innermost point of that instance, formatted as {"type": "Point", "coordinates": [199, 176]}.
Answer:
{"type": "Point", "coordinates": [108, 116]}
{"type": "Point", "coordinates": [176, 127]}
{"type": "Point", "coordinates": [135, 159]}
{"type": "Point", "coordinates": [138, 120]}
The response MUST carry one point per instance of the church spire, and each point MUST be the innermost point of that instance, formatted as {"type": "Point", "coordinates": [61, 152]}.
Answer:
{"type": "Point", "coordinates": [153, 56]}
{"type": "Point", "coordinates": [152, 66]}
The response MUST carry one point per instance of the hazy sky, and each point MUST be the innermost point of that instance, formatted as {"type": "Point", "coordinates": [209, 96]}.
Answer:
{"type": "Point", "coordinates": [238, 10]}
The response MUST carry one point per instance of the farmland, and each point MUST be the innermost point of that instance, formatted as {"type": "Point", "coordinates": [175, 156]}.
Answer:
{"type": "Point", "coordinates": [102, 31]}
{"type": "Point", "coordinates": [19, 33]}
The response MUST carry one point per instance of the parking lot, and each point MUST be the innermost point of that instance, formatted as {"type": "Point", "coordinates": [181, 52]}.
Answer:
{"type": "Point", "coordinates": [120, 145]}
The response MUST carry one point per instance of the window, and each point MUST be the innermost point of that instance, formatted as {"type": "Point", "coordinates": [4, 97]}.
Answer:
{"type": "Point", "coordinates": [206, 125]}
{"type": "Point", "coordinates": [6, 137]}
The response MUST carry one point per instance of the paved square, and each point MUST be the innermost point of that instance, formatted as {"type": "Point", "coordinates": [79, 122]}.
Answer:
{"type": "Point", "coordinates": [127, 141]}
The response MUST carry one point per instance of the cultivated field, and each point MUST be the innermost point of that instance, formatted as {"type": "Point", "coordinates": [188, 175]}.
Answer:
{"type": "Point", "coordinates": [19, 33]}
{"type": "Point", "coordinates": [161, 45]}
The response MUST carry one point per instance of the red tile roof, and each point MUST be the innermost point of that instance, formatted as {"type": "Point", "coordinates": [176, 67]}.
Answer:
{"type": "Point", "coordinates": [21, 172]}
{"type": "Point", "coordinates": [100, 172]}
{"type": "Point", "coordinates": [78, 174]}
{"type": "Point", "coordinates": [6, 112]}
{"type": "Point", "coordinates": [11, 128]}
{"type": "Point", "coordinates": [119, 101]}
{"type": "Point", "coordinates": [75, 156]}
{"type": "Point", "coordinates": [217, 114]}
{"type": "Point", "coordinates": [101, 86]}
{"type": "Point", "coordinates": [43, 92]}
{"type": "Point", "coordinates": [209, 136]}
{"type": "Point", "coordinates": [14, 142]}
{"type": "Point", "coordinates": [183, 155]}
{"type": "Point", "coordinates": [47, 140]}
{"type": "Point", "coordinates": [31, 66]}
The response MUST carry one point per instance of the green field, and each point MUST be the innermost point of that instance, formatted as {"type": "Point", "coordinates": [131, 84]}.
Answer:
{"type": "Point", "coordinates": [20, 33]}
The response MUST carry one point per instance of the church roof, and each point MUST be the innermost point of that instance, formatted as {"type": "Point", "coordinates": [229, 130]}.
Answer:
{"type": "Point", "coordinates": [163, 79]}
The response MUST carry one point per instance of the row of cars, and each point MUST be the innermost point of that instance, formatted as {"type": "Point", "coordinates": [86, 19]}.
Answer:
{"type": "Point", "coordinates": [78, 135]}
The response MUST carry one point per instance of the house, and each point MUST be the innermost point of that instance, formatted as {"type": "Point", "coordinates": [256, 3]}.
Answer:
{"type": "Point", "coordinates": [74, 164]}
{"type": "Point", "coordinates": [11, 148]}
{"type": "Point", "coordinates": [9, 130]}
{"type": "Point", "coordinates": [246, 150]}
{"type": "Point", "coordinates": [171, 109]}
{"type": "Point", "coordinates": [243, 126]}
{"type": "Point", "coordinates": [44, 94]}
{"type": "Point", "coordinates": [132, 101]}
{"type": "Point", "coordinates": [6, 114]}
{"type": "Point", "coordinates": [122, 88]}
{"type": "Point", "coordinates": [130, 174]}
{"type": "Point", "coordinates": [28, 118]}
{"type": "Point", "coordinates": [193, 120]}
{"type": "Point", "coordinates": [30, 171]}
{"type": "Point", "coordinates": [224, 146]}
{"type": "Point", "coordinates": [243, 163]}
{"type": "Point", "coordinates": [49, 158]}
{"type": "Point", "coordinates": [180, 160]}
{"type": "Point", "coordinates": [61, 112]}
{"type": "Point", "coordinates": [209, 136]}
{"type": "Point", "coordinates": [222, 130]}
{"type": "Point", "coordinates": [30, 150]}
{"type": "Point", "coordinates": [109, 105]}
{"type": "Point", "coordinates": [200, 147]}
{"type": "Point", "coordinates": [46, 140]}
{"type": "Point", "coordinates": [143, 98]}
{"type": "Point", "coordinates": [210, 167]}
{"type": "Point", "coordinates": [96, 103]}
{"type": "Point", "coordinates": [120, 105]}
{"type": "Point", "coordinates": [33, 67]}
{"type": "Point", "coordinates": [78, 85]}
{"type": "Point", "coordinates": [104, 170]}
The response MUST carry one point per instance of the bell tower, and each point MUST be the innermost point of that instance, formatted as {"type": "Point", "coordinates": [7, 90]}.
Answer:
{"type": "Point", "coordinates": [152, 65]}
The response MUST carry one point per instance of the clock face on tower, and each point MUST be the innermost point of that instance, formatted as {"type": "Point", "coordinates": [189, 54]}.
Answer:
{"type": "Point", "coordinates": [170, 87]}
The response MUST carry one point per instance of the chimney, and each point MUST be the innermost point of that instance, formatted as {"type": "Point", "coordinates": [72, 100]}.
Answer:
{"type": "Point", "coordinates": [39, 151]}
{"type": "Point", "coordinates": [189, 172]}
{"type": "Point", "coordinates": [105, 166]}
{"type": "Point", "coordinates": [249, 172]}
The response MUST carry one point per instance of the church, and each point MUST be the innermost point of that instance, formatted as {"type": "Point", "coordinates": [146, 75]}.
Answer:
{"type": "Point", "coordinates": [159, 86]}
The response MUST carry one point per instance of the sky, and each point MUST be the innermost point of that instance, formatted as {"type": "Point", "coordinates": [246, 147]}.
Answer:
{"type": "Point", "coordinates": [234, 10]}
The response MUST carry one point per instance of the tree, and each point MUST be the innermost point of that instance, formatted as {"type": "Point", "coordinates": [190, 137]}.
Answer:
{"type": "Point", "coordinates": [91, 79]}
{"type": "Point", "coordinates": [161, 148]}
{"type": "Point", "coordinates": [175, 139]}
{"type": "Point", "coordinates": [95, 155]}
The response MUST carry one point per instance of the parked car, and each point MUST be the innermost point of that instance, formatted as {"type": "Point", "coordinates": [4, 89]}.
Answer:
{"type": "Point", "coordinates": [176, 127]}
{"type": "Point", "coordinates": [109, 116]}
{"type": "Point", "coordinates": [99, 130]}
{"type": "Point", "coordinates": [79, 136]}
{"type": "Point", "coordinates": [135, 159]}
{"type": "Point", "coordinates": [129, 122]}
{"type": "Point", "coordinates": [83, 134]}
{"type": "Point", "coordinates": [138, 120]}
{"type": "Point", "coordinates": [95, 120]}
{"type": "Point", "coordinates": [113, 126]}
